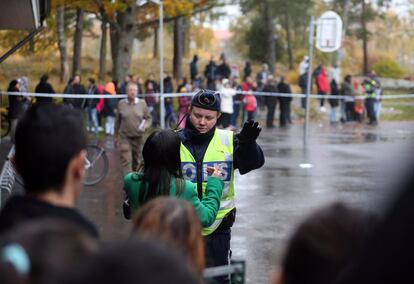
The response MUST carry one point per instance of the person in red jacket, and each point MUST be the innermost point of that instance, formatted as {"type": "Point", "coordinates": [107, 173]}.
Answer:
{"type": "Point", "coordinates": [250, 105]}
{"type": "Point", "coordinates": [322, 84]}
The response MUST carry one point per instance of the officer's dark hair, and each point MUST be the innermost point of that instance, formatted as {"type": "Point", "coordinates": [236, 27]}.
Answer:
{"type": "Point", "coordinates": [325, 245]}
{"type": "Point", "coordinates": [161, 153]}
{"type": "Point", "coordinates": [133, 261]}
{"type": "Point", "coordinates": [47, 138]}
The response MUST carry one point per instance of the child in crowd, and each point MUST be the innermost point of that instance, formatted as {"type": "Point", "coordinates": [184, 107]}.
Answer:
{"type": "Point", "coordinates": [250, 105]}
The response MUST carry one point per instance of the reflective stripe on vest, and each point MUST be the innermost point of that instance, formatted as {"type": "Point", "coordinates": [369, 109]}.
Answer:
{"type": "Point", "coordinates": [219, 153]}
{"type": "Point", "coordinates": [370, 89]}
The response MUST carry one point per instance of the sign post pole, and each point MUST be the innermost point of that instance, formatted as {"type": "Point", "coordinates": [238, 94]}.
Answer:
{"type": "Point", "coordinates": [328, 39]}
{"type": "Point", "coordinates": [309, 80]}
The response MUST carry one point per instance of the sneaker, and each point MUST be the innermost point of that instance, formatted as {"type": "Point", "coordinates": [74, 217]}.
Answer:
{"type": "Point", "coordinates": [322, 109]}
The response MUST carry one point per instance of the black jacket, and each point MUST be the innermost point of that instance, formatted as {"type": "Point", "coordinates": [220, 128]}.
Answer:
{"type": "Point", "coordinates": [16, 104]}
{"type": "Point", "coordinates": [211, 71]}
{"type": "Point", "coordinates": [284, 88]}
{"type": "Point", "coordinates": [270, 88]}
{"type": "Point", "coordinates": [75, 89]}
{"type": "Point", "coordinates": [44, 88]}
{"type": "Point", "coordinates": [78, 89]}
{"type": "Point", "coordinates": [193, 69]}
{"type": "Point", "coordinates": [334, 92]}
{"type": "Point", "coordinates": [22, 208]}
{"type": "Point", "coordinates": [92, 102]}
{"type": "Point", "coordinates": [246, 157]}
{"type": "Point", "coordinates": [223, 71]}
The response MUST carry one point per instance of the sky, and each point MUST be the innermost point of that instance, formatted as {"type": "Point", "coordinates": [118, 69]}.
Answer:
{"type": "Point", "coordinates": [233, 11]}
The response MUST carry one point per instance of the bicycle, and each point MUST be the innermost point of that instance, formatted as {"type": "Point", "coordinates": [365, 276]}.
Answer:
{"type": "Point", "coordinates": [171, 120]}
{"type": "Point", "coordinates": [5, 124]}
{"type": "Point", "coordinates": [96, 169]}
{"type": "Point", "coordinates": [96, 165]}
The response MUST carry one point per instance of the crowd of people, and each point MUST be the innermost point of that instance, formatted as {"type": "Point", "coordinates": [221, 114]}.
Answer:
{"type": "Point", "coordinates": [179, 185]}
{"type": "Point", "coordinates": [360, 98]}
{"type": "Point", "coordinates": [243, 96]}
{"type": "Point", "coordinates": [181, 203]}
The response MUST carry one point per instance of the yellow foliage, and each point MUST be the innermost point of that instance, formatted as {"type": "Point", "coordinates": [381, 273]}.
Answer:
{"type": "Point", "coordinates": [292, 77]}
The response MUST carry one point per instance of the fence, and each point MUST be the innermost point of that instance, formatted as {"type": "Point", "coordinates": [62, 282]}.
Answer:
{"type": "Point", "coordinates": [162, 98]}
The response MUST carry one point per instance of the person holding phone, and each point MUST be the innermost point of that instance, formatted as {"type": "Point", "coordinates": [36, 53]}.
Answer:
{"type": "Point", "coordinates": [162, 176]}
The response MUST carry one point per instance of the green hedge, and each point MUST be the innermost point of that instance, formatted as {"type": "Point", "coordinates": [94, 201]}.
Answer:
{"type": "Point", "coordinates": [389, 68]}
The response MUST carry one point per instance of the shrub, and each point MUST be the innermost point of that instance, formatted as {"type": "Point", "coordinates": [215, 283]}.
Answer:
{"type": "Point", "coordinates": [389, 68]}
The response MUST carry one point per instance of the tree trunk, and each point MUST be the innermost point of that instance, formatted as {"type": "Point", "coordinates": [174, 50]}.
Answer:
{"type": "Point", "coordinates": [122, 39]}
{"type": "Point", "coordinates": [178, 49]}
{"type": "Point", "coordinates": [289, 41]}
{"type": "Point", "coordinates": [102, 51]}
{"type": "Point", "coordinates": [32, 46]}
{"type": "Point", "coordinates": [155, 47]}
{"type": "Point", "coordinates": [64, 66]}
{"type": "Point", "coordinates": [186, 37]}
{"type": "Point", "coordinates": [364, 39]}
{"type": "Point", "coordinates": [270, 50]}
{"type": "Point", "coordinates": [337, 58]}
{"type": "Point", "coordinates": [77, 42]}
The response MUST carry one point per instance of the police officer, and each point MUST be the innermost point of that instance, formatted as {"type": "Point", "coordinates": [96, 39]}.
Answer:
{"type": "Point", "coordinates": [203, 145]}
{"type": "Point", "coordinates": [370, 86]}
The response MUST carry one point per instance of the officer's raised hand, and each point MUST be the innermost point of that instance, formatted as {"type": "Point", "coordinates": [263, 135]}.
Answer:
{"type": "Point", "coordinates": [249, 132]}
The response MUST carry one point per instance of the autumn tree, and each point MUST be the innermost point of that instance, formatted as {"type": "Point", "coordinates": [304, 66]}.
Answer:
{"type": "Point", "coordinates": [358, 14]}
{"type": "Point", "coordinates": [276, 28]}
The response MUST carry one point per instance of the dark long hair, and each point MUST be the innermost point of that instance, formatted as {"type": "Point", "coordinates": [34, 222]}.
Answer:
{"type": "Point", "coordinates": [162, 161]}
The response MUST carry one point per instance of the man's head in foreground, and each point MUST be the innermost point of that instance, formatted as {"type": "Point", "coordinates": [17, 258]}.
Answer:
{"type": "Point", "coordinates": [50, 153]}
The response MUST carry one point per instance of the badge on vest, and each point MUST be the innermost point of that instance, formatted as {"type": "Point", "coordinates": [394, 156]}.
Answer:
{"type": "Point", "coordinates": [190, 170]}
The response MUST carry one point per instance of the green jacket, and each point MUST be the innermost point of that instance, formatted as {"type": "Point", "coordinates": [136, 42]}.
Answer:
{"type": "Point", "coordinates": [206, 209]}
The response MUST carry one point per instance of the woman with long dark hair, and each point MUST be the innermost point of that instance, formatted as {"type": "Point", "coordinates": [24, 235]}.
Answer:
{"type": "Point", "coordinates": [162, 176]}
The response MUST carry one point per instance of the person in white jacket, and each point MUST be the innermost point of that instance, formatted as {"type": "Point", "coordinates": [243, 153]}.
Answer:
{"type": "Point", "coordinates": [226, 94]}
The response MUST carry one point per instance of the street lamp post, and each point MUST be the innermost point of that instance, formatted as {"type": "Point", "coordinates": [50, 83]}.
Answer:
{"type": "Point", "coordinates": [161, 54]}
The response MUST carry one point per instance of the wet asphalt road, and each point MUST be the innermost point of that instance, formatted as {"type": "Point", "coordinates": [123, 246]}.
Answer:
{"type": "Point", "coordinates": [352, 163]}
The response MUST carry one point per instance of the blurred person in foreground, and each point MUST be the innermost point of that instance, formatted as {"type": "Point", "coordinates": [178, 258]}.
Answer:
{"type": "Point", "coordinates": [388, 254]}
{"type": "Point", "coordinates": [324, 245]}
{"type": "Point", "coordinates": [174, 222]}
{"type": "Point", "coordinates": [51, 163]}
{"type": "Point", "coordinates": [133, 261]}
{"type": "Point", "coordinates": [42, 251]}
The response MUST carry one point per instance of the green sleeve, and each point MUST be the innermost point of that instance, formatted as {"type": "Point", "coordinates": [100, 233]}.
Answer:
{"type": "Point", "coordinates": [207, 208]}
{"type": "Point", "coordinates": [132, 185]}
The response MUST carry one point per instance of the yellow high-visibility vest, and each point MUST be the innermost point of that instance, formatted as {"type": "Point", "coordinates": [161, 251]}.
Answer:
{"type": "Point", "coordinates": [219, 153]}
